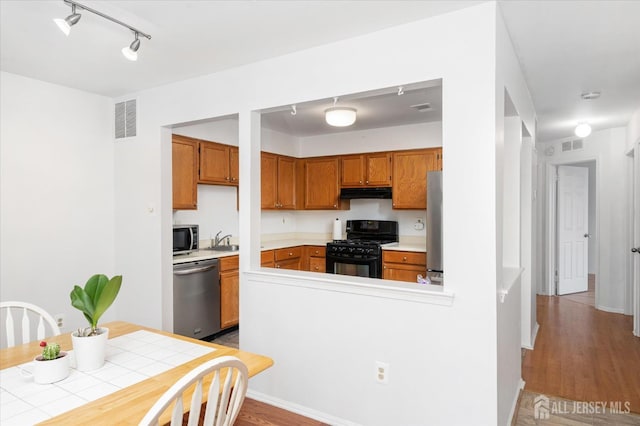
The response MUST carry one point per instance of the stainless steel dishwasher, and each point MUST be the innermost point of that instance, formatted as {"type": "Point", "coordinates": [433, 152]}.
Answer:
{"type": "Point", "coordinates": [196, 298]}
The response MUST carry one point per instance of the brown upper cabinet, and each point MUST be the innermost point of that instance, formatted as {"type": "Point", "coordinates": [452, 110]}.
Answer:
{"type": "Point", "coordinates": [410, 177]}
{"type": "Point", "coordinates": [184, 170]}
{"type": "Point", "coordinates": [322, 184]}
{"type": "Point", "coordinates": [278, 181]}
{"type": "Point", "coordinates": [218, 163]}
{"type": "Point", "coordinates": [363, 170]}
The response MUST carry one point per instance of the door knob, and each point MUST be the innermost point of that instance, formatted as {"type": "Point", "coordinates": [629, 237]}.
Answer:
{"type": "Point", "coordinates": [587, 235]}
{"type": "Point", "coordinates": [635, 250]}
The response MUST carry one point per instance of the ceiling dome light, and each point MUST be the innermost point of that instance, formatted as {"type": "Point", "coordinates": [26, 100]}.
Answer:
{"type": "Point", "coordinates": [340, 116]}
{"type": "Point", "coordinates": [131, 52]}
{"type": "Point", "coordinates": [66, 23]}
{"type": "Point", "coordinates": [582, 130]}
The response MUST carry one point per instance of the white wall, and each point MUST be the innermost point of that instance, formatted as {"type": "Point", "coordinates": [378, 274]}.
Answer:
{"type": "Point", "coordinates": [608, 149]}
{"type": "Point", "coordinates": [425, 338]}
{"type": "Point", "coordinates": [372, 140]}
{"type": "Point", "coordinates": [509, 79]}
{"type": "Point", "coordinates": [56, 192]}
{"type": "Point", "coordinates": [633, 129]}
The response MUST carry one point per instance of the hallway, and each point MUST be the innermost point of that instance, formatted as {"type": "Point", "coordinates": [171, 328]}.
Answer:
{"type": "Point", "coordinates": [583, 354]}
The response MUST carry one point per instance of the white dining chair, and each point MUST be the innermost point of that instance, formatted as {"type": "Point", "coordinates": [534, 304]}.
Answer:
{"type": "Point", "coordinates": [223, 404]}
{"type": "Point", "coordinates": [28, 312]}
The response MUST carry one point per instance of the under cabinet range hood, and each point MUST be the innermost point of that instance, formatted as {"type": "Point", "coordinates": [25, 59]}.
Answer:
{"type": "Point", "coordinates": [354, 193]}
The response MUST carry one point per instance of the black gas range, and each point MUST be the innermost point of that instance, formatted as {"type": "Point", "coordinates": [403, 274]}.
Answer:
{"type": "Point", "coordinates": [361, 253]}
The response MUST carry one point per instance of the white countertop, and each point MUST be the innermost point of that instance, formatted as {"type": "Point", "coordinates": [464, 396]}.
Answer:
{"type": "Point", "coordinates": [288, 242]}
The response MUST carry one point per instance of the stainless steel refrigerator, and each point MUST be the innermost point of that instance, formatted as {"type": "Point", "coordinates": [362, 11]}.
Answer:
{"type": "Point", "coordinates": [434, 227]}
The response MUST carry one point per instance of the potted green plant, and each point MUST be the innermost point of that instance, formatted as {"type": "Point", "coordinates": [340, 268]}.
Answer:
{"type": "Point", "coordinates": [50, 367]}
{"type": "Point", "coordinates": [90, 343]}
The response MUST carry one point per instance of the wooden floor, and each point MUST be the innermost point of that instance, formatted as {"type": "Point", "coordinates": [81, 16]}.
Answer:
{"type": "Point", "coordinates": [255, 413]}
{"type": "Point", "coordinates": [586, 297]}
{"type": "Point", "coordinates": [583, 354]}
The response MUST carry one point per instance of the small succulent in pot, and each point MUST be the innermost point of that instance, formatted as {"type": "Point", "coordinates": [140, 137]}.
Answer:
{"type": "Point", "coordinates": [94, 299]}
{"type": "Point", "coordinates": [49, 351]}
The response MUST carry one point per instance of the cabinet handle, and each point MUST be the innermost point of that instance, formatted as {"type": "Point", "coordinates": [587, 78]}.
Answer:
{"type": "Point", "coordinates": [404, 258]}
{"type": "Point", "coordinates": [228, 178]}
{"type": "Point", "coordinates": [277, 266]}
{"type": "Point", "coordinates": [317, 252]}
{"type": "Point", "coordinates": [360, 182]}
{"type": "Point", "coordinates": [290, 254]}
{"type": "Point", "coordinates": [367, 182]}
{"type": "Point", "coordinates": [335, 206]}
{"type": "Point", "coordinates": [316, 268]}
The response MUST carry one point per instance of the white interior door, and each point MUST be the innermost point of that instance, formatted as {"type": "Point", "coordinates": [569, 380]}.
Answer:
{"type": "Point", "coordinates": [636, 240]}
{"type": "Point", "coordinates": [573, 229]}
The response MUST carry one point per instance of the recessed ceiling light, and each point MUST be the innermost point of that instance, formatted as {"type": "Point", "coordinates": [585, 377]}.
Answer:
{"type": "Point", "coordinates": [590, 95]}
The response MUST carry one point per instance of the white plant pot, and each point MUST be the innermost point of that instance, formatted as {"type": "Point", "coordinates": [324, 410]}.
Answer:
{"type": "Point", "coordinates": [90, 351]}
{"type": "Point", "coordinates": [50, 371]}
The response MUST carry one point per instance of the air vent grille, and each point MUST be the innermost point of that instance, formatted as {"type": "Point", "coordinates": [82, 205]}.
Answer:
{"type": "Point", "coordinates": [125, 119]}
{"type": "Point", "coordinates": [577, 144]}
{"type": "Point", "coordinates": [566, 146]}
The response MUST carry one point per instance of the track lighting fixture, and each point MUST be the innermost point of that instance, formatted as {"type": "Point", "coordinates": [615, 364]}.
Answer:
{"type": "Point", "coordinates": [66, 23]}
{"type": "Point", "coordinates": [130, 52]}
{"type": "Point", "coordinates": [340, 116]}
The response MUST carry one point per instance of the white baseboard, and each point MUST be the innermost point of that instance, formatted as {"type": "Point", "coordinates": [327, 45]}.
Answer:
{"type": "Point", "coordinates": [534, 334]}
{"type": "Point", "coordinates": [612, 310]}
{"type": "Point", "coordinates": [514, 405]}
{"type": "Point", "coordinates": [299, 409]}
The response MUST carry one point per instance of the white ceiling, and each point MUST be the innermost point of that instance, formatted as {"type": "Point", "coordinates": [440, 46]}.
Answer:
{"type": "Point", "coordinates": [565, 47]}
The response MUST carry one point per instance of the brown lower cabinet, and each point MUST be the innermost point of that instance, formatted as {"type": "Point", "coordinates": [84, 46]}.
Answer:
{"type": "Point", "coordinates": [403, 265]}
{"type": "Point", "coordinates": [229, 291]}
{"type": "Point", "coordinates": [314, 258]}
{"type": "Point", "coordinates": [288, 258]}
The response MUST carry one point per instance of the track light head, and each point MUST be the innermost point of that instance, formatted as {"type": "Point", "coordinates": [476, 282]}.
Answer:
{"type": "Point", "coordinates": [131, 52]}
{"type": "Point", "coordinates": [66, 23]}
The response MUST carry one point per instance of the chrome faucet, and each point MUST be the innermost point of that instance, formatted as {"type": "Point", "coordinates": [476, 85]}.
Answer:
{"type": "Point", "coordinates": [217, 240]}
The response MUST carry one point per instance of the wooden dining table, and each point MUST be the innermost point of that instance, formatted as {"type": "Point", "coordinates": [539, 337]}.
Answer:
{"type": "Point", "coordinates": [130, 404]}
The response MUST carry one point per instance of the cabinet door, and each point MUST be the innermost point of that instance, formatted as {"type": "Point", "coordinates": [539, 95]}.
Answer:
{"type": "Point", "coordinates": [410, 178]}
{"type": "Point", "coordinates": [352, 171]}
{"type": "Point", "coordinates": [214, 163]}
{"type": "Point", "coordinates": [286, 183]}
{"type": "Point", "coordinates": [229, 298]}
{"type": "Point", "coordinates": [268, 180]}
{"type": "Point", "coordinates": [321, 184]}
{"type": "Point", "coordinates": [184, 163]}
{"type": "Point", "coordinates": [234, 165]}
{"type": "Point", "coordinates": [438, 152]}
{"type": "Point", "coordinates": [293, 264]}
{"type": "Point", "coordinates": [378, 168]}
{"type": "Point", "coordinates": [399, 272]}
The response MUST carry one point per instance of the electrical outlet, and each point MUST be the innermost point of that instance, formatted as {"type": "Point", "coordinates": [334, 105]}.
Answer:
{"type": "Point", "coordinates": [419, 225]}
{"type": "Point", "coordinates": [382, 372]}
{"type": "Point", "coordinates": [59, 320]}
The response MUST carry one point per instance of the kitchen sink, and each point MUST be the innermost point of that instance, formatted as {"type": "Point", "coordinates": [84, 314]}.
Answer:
{"type": "Point", "coordinates": [230, 247]}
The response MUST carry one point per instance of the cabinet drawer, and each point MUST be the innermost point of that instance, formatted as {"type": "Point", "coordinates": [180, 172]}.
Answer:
{"type": "Point", "coordinates": [409, 257]}
{"type": "Point", "coordinates": [288, 253]}
{"type": "Point", "coordinates": [317, 251]}
{"type": "Point", "coordinates": [317, 264]}
{"type": "Point", "coordinates": [266, 258]}
{"type": "Point", "coordinates": [229, 263]}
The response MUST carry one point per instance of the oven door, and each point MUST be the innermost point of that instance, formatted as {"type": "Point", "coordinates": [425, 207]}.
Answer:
{"type": "Point", "coordinates": [367, 267]}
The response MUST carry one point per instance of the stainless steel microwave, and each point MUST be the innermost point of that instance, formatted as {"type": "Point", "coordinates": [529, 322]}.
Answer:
{"type": "Point", "coordinates": [185, 238]}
